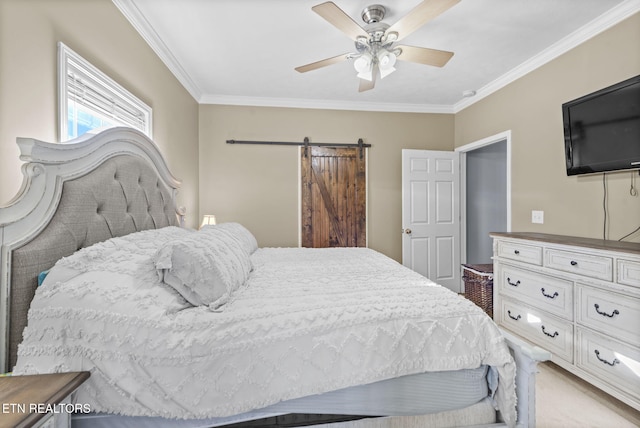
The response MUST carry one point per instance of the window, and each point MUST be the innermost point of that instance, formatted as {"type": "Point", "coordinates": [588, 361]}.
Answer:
{"type": "Point", "coordinates": [89, 99]}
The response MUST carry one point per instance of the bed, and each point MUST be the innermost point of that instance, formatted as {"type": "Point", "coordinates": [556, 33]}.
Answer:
{"type": "Point", "coordinates": [288, 331]}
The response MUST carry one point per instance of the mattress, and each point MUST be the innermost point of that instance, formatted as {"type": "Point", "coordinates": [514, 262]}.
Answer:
{"type": "Point", "coordinates": [419, 394]}
{"type": "Point", "coordinates": [306, 322]}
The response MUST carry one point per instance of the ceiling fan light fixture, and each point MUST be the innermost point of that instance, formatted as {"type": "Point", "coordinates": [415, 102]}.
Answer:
{"type": "Point", "coordinates": [386, 62]}
{"type": "Point", "coordinates": [391, 36]}
{"type": "Point", "coordinates": [374, 42]}
{"type": "Point", "coordinates": [386, 59]}
{"type": "Point", "coordinates": [363, 63]}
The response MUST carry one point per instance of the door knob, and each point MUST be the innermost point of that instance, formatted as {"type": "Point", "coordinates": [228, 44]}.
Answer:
{"type": "Point", "coordinates": [407, 231]}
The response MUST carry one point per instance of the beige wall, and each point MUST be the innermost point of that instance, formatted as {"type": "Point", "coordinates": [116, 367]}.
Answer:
{"type": "Point", "coordinates": [258, 185]}
{"type": "Point", "coordinates": [97, 30]}
{"type": "Point", "coordinates": [531, 108]}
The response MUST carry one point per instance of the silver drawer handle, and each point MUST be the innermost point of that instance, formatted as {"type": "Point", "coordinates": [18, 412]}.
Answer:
{"type": "Point", "coordinates": [604, 314]}
{"type": "Point", "coordinates": [615, 360]}
{"type": "Point", "coordinates": [550, 335]}
{"type": "Point", "coordinates": [550, 296]}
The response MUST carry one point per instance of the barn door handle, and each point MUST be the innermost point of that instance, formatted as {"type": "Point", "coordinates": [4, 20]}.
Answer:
{"type": "Point", "coordinates": [407, 231]}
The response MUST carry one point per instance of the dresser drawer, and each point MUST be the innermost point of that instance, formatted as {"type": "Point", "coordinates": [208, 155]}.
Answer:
{"type": "Point", "coordinates": [614, 362]}
{"type": "Point", "coordinates": [521, 252]}
{"type": "Point", "coordinates": [545, 330]}
{"type": "Point", "coordinates": [580, 264]}
{"type": "Point", "coordinates": [611, 313]}
{"type": "Point", "coordinates": [541, 291]}
{"type": "Point", "coordinates": [629, 273]}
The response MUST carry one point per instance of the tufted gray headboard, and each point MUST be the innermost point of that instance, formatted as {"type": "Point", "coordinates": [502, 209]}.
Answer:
{"type": "Point", "coordinates": [103, 186]}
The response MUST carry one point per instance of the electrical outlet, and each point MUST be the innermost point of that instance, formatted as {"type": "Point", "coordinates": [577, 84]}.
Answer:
{"type": "Point", "coordinates": [537, 217]}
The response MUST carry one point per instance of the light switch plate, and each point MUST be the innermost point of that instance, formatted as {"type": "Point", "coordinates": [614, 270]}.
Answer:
{"type": "Point", "coordinates": [537, 217]}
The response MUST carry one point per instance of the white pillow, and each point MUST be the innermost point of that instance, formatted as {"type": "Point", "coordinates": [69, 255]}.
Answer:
{"type": "Point", "coordinates": [204, 268]}
{"type": "Point", "coordinates": [241, 234]}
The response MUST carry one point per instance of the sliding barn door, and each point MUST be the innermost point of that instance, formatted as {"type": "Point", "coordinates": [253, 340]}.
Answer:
{"type": "Point", "coordinates": [333, 197]}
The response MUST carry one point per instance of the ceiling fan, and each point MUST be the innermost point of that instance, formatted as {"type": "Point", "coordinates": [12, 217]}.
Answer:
{"type": "Point", "coordinates": [376, 51]}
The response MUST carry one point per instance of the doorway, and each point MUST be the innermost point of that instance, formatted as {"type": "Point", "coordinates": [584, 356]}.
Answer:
{"type": "Point", "coordinates": [484, 200]}
{"type": "Point", "coordinates": [485, 195]}
{"type": "Point", "coordinates": [333, 197]}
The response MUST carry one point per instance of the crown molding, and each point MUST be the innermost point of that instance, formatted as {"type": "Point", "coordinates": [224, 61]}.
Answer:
{"type": "Point", "coordinates": [603, 22]}
{"type": "Point", "coordinates": [324, 104]}
{"type": "Point", "coordinates": [142, 26]}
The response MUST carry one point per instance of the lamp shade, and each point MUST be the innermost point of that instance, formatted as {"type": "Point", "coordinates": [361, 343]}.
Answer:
{"type": "Point", "coordinates": [208, 219]}
{"type": "Point", "coordinates": [362, 64]}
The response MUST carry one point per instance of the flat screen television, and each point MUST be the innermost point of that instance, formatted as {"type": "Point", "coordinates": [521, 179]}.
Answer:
{"type": "Point", "coordinates": [602, 129]}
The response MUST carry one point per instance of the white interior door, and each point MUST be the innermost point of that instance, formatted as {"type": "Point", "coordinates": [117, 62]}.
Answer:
{"type": "Point", "coordinates": [431, 215]}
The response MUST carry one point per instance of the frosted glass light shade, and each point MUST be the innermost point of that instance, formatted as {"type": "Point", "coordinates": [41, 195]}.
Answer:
{"type": "Point", "coordinates": [386, 62]}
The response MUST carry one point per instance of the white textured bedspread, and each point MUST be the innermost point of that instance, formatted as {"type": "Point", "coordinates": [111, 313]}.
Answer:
{"type": "Point", "coordinates": [306, 322]}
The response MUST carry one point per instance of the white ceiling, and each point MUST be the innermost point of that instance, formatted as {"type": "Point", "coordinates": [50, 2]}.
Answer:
{"type": "Point", "coordinates": [244, 51]}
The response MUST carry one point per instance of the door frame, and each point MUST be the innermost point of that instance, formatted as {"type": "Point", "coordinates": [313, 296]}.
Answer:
{"type": "Point", "coordinates": [366, 208]}
{"type": "Point", "coordinates": [463, 150]}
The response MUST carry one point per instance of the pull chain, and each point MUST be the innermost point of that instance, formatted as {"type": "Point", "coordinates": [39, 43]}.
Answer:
{"type": "Point", "coordinates": [633, 191]}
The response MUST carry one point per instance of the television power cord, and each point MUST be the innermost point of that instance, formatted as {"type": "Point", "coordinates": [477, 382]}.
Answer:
{"type": "Point", "coordinates": [633, 191]}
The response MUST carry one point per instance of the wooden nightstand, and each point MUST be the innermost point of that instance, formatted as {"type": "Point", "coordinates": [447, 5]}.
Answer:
{"type": "Point", "coordinates": [25, 400]}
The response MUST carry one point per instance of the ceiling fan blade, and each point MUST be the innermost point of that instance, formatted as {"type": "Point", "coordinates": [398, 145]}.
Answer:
{"type": "Point", "coordinates": [425, 56]}
{"type": "Point", "coordinates": [322, 63]}
{"type": "Point", "coordinates": [420, 15]}
{"type": "Point", "coordinates": [366, 85]}
{"type": "Point", "coordinates": [343, 22]}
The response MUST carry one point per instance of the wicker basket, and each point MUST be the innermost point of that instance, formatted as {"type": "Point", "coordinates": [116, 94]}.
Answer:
{"type": "Point", "coordinates": [478, 285]}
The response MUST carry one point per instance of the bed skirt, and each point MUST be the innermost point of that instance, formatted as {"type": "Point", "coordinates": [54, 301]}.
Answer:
{"type": "Point", "coordinates": [424, 393]}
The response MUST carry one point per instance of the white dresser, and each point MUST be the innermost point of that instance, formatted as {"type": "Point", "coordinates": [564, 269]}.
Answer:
{"type": "Point", "coordinates": [578, 298]}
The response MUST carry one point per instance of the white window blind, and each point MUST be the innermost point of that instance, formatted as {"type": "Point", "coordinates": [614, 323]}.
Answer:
{"type": "Point", "coordinates": [89, 99]}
